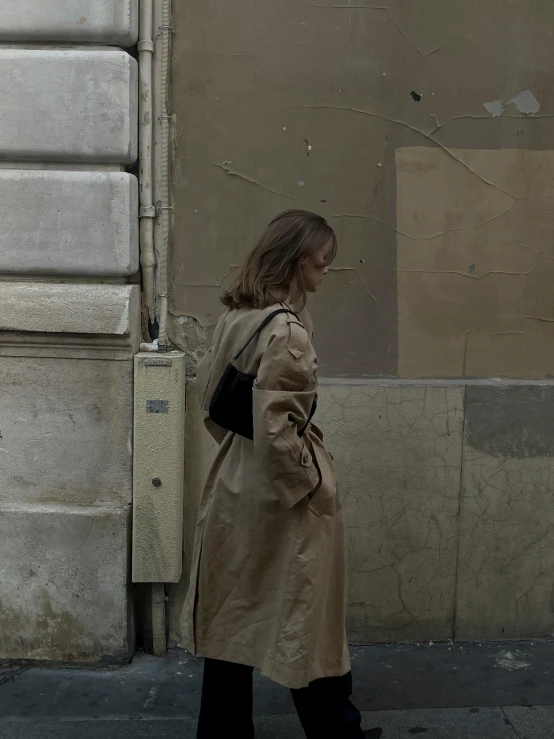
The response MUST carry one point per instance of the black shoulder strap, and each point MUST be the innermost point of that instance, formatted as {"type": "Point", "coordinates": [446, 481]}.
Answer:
{"type": "Point", "coordinates": [313, 409]}
{"type": "Point", "coordinates": [262, 325]}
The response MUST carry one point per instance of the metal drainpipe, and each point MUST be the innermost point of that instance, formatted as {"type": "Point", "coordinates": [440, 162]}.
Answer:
{"type": "Point", "coordinates": [147, 211]}
{"type": "Point", "coordinates": [159, 639]}
{"type": "Point", "coordinates": [162, 62]}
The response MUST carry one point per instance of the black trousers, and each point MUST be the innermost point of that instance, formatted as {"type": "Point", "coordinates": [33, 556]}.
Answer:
{"type": "Point", "coordinates": [324, 707]}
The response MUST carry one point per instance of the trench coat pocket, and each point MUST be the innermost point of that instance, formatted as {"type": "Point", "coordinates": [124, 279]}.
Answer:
{"type": "Point", "coordinates": [322, 502]}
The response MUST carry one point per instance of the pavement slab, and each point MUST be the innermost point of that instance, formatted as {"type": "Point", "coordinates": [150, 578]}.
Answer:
{"type": "Point", "coordinates": [454, 691]}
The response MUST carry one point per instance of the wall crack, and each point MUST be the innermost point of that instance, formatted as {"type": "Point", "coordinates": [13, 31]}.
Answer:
{"type": "Point", "coordinates": [225, 167]}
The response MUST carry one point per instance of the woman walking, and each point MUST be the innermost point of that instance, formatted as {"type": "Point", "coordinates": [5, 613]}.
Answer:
{"type": "Point", "coordinates": [268, 575]}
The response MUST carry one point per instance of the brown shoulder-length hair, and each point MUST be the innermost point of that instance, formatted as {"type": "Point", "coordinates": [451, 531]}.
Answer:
{"type": "Point", "coordinates": [272, 271]}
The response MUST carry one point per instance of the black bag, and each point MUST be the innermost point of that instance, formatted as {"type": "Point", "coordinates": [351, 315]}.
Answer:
{"type": "Point", "coordinates": [231, 403]}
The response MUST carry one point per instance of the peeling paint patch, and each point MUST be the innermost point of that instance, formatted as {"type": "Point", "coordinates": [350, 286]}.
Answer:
{"type": "Point", "coordinates": [512, 661]}
{"type": "Point", "coordinates": [526, 103]}
{"type": "Point", "coordinates": [188, 335]}
{"type": "Point", "coordinates": [495, 108]}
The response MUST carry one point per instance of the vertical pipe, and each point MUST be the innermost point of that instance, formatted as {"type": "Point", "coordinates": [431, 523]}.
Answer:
{"type": "Point", "coordinates": [147, 210]}
{"type": "Point", "coordinates": [161, 139]}
{"type": "Point", "coordinates": [163, 116]}
{"type": "Point", "coordinates": [159, 641]}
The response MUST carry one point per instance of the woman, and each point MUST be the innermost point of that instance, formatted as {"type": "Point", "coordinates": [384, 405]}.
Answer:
{"type": "Point", "coordinates": [268, 576]}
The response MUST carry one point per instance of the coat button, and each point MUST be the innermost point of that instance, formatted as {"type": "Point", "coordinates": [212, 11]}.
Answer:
{"type": "Point", "coordinates": [305, 459]}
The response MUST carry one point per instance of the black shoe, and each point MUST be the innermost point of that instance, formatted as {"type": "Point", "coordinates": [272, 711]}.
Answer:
{"type": "Point", "coordinates": [373, 733]}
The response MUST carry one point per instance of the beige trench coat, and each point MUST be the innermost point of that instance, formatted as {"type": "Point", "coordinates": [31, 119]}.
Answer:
{"type": "Point", "coordinates": [268, 577]}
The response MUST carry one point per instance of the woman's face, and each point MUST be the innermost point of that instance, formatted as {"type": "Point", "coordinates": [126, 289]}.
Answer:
{"type": "Point", "coordinates": [314, 269]}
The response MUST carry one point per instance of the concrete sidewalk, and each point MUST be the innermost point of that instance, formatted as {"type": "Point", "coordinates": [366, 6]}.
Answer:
{"type": "Point", "coordinates": [489, 691]}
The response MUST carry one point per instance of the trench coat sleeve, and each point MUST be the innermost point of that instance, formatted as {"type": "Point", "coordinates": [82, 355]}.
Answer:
{"type": "Point", "coordinates": [282, 398]}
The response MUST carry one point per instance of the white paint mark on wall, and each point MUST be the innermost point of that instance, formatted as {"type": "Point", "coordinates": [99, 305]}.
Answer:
{"type": "Point", "coordinates": [495, 108]}
{"type": "Point", "coordinates": [512, 661]}
{"type": "Point", "coordinates": [526, 103]}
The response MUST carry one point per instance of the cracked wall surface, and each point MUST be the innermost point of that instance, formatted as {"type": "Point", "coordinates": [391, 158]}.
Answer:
{"type": "Point", "coordinates": [422, 129]}
{"type": "Point", "coordinates": [321, 105]}
{"type": "Point", "coordinates": [506, 541]}
{"type": "Point", "coordinates": [446, 488]}
{"type": "Point", "coordinates": [398, 454]}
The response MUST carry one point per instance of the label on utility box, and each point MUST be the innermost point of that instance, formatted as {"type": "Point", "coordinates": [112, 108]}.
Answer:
{"type": "Point", "coordinates": [157, 362]}
{"type": "Point", "coordinates": [157, 406]}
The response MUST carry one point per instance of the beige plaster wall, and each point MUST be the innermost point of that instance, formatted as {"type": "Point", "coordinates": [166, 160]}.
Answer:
{"type": "Point", "coordinates": [442, 203]}
{"type": "Point", "coordinates": [423, 131]}
{"type": "Point", "coordinates": [475, 262]}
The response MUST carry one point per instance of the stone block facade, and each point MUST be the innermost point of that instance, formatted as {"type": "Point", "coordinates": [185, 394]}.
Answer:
{"type": "Point", "coordinates": [69, 327]}
{"type": "Point", "coordinates": [80, 222]}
